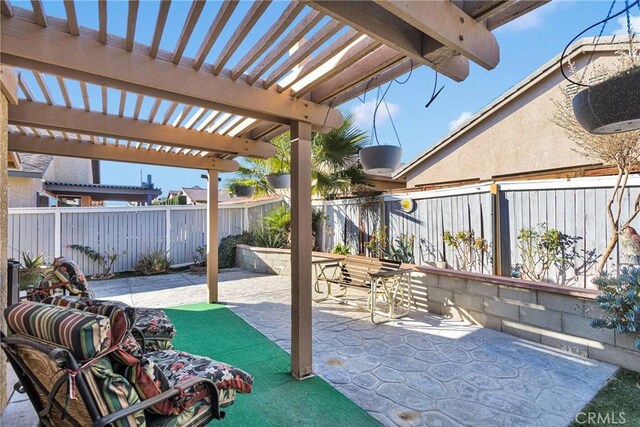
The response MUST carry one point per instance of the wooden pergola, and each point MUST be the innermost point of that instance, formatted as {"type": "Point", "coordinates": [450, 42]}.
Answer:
{"type": "Point", "coordinates": [319, 54]}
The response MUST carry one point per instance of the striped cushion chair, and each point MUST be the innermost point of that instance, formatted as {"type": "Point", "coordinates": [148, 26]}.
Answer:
{"type": "Point", "coordinates": [68, 362]}
{"type": "Point", "coordinates": [152, 327]}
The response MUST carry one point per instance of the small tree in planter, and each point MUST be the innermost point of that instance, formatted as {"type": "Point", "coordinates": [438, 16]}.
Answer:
{"type": "Point", "coordinates": [469, 249]}
{"type": "Point", "coordinates": [620, 300]}
{"type": "Point", "coordinates": [621, 150]}
{"type": "Point", "coordinates": [199, 259]}
{"type": "Point", "coordinates": [542, 248]}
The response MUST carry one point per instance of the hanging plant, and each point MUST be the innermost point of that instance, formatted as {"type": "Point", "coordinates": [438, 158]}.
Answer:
{"type": "Point", "coordinates": [280, 177]}
{"type": "Point", "coordinates": [381, 158]}
{"type": "Point", "coordinates": [242, 188]}
{"type": "Point", "coordinates": [610, 106]}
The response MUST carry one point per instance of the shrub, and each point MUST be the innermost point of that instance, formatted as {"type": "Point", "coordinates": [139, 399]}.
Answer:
{"type": "Point", "coordinates": [341, 249]}
{"type": "Point", "coordinates": [153, 262]}
{"type": "Point", "coordinates": [469, 249]}
{"type": "Point", "coordinates": [265, 237]}
{"type": "Point", "coordinates": [200, 256]}
{"type": "Point", "coordinates": [398, 249]}
{"type": "Point", "coordinates": [30, 268]}
{"type": "Point", "coordinates": [227, 248]}
{"type": "Point", "coordinates": [620, 299]}
{"type": "Point", "coordinates": [542, 248]}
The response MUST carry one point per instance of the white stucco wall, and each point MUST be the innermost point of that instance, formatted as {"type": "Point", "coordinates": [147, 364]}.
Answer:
{"type": "Point", "coordinates": [23, 192]}
{"type": "Point", "coordinates": [69, 169]}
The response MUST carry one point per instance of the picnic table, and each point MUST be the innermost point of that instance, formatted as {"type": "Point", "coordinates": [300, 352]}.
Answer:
{"type": "Point", "coordinates": [386, 282]}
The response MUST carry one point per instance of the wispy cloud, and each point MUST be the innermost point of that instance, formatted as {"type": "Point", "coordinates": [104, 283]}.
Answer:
{"type": "Point", "coordinates": [622, 25]}
{"type": "Point", "coordinates": [531, 20]}
{"type": "Point", "coordinates": [363, 113]}
{"type": "Point", "coordinates": [453, 124]}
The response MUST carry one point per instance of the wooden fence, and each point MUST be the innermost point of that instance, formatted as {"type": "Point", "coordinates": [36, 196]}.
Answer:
{"type": "Point", "coordinates": [130, 231]}
{"type": "Point", "coordinates": [495, 212]}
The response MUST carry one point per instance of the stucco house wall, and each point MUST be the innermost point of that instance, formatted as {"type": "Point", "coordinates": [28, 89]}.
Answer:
{"type": "Point", "coordinates": [69, 169]}
{"type": "Point", "coordinates": [23, 192]}
{"type": "Point", "coordinates": [515, 136]}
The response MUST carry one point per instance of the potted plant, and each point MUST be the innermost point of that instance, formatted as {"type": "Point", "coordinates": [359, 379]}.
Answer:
{"type": "Point", "coordinates": [279, 178]}
{"type": "Point", "coordinates": [242, 188]}
{"type": "Point", "coordinates": [380, 158]}
{"type": "Point", "coordinates": [31, 270]}
{"type": "Point", "coordinates": [610, 106]}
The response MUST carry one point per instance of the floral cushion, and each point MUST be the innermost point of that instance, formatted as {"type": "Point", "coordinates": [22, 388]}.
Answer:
{"type": "Point", "coordinates": [179, 366]}
{"type": "Point", "coordinates": [76, 277]}
{"type": "Point", "coordinates": [154, 322]}
{"type": "Point", "coordinates": [84, 334]}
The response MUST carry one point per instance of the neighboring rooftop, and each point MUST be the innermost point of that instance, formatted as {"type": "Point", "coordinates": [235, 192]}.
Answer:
{"type": "Point", "coordinates": [32, 164]}
{"type": "Point", "coordinates": [585, 45]}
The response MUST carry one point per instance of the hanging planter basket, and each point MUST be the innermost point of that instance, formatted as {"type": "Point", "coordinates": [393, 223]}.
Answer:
{"type": "Point", "coordinates": [244, 191]}
{"type": "Point", "coordinates": [279, 181]}
{"type": "Point", "coordinates": [378, 159]}
{"type": "Point", "coordinates": [611, 106]}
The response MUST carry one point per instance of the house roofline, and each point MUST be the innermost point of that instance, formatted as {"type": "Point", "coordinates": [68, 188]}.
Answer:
{"type": "Point", "coordinates": [588, 44]}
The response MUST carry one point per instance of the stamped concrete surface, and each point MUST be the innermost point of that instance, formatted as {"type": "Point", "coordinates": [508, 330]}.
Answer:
{"type": "Point", "coordinates": [419, 370]}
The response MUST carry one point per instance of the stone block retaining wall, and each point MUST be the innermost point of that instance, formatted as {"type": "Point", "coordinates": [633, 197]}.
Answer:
{"type": "Point", "coordinates": [557, 316]}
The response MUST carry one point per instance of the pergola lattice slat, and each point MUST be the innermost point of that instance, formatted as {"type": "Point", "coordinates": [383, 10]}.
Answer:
{"type": "Point", "coordinates": [192, 19]}
{"type": "Point", "coordinates": [93, 123]}
{"type": "Point", "coordinates": [444, 22]}
{"type": "Point", "coordinates": [87, 60]}
{"type": "Point", "coordinates": [389, 29]}
{"type": "Point", "coordinates": [219, 22]}
{"type": "Point", "coordinates": [161, 20]}
{"type": "Point", "coordinates": [58, 147]}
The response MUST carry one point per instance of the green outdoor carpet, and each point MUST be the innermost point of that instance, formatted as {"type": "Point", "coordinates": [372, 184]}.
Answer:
{"type": "Point", "coordinates": [277, 399]}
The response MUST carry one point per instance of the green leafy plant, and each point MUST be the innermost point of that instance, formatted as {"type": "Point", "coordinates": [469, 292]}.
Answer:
{"type": "Point", "coordinates": [398, 249]}
{"type": "Point", "coordinates": [31, 267]}
{"type": "Point", "coordinates": [542, 248]}
{"type": "Point", "coordinates": [227, 248]}
{"type": "Point", "coordinates": [265, 237]}
{"type": "Point", "coordinates": [200, 256]}
{"type": "Point", "coordinates": [104, 260]}
{"type": "Point", "coordinates": [334, 169]}
{"type": "Point", "coordinates": [153, 262]}
{"type": "Point", "coordinates": [469, 249]}
{"type": "Point", "coordinates": [341, 249]}
{"type": "Point", "coordinates": [233, 186]}
{"type": "Point", "coordinates": [620, 300]}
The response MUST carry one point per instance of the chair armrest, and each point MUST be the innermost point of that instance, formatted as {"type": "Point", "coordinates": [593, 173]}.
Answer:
{"type": "Point", "coordinates": [123, 413]}
{"type": "Point", "coordinates": [391, 273]}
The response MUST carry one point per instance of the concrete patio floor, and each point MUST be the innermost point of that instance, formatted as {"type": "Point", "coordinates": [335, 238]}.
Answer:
{"type": "Point", "coordinates": [419, 370]}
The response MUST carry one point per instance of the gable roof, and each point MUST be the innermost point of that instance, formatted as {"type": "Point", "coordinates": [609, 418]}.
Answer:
{"type": "Point", "coordinates": [32, 165]}
{"type": "Point", "coordinates": [582, 46]}
{"type": "Point", "coordinates": [196, 194]}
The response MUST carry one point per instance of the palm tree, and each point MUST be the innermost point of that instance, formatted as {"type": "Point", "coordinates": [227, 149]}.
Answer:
{"type": "Point", "coordinates": [334, 166]}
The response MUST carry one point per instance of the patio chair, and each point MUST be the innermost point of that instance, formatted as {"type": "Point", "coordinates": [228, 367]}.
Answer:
{"type": "Point", "coordinates": [153, 328]}
{"type": "Point", "coordinates": [77, 371]}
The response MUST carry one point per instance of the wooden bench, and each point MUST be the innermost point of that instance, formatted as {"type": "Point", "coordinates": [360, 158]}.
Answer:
{"type": "Point", "coordinates": [384, 280]}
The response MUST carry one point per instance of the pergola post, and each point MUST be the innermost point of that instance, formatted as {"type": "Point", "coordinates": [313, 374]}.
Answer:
{"type": "Point", "coordinates": [9, 87]}
{"type": "Point", "coordinates": [212, 236]}
{"type": "Point", "coordinates": [301, 247]}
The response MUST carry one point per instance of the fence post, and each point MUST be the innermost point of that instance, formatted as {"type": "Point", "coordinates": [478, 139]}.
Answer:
{"type": "Point", "coordinates": [57, 233]}
{"type": "Point", "coordinates": [245, 218]}
{"type": "Point", "coordinates": [497, 235]}
{"type": "Point", "coordinates": [167, 231]}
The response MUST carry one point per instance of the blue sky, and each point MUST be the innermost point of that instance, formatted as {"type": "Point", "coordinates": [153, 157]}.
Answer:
{"type": "Point", "coordinates": [525, 44]}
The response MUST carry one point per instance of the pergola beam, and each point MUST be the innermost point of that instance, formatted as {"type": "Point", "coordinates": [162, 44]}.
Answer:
{"type": "Point", "coordinates": [373, 20]}
{"type": "Point", "coordinates": [83, 58]}
{"type": "Point", "coordinates": [38, 115]}
{"type": "Point", "coordinates": [87, 150]}
{"type": "Point", "coordinates": [450, 26]}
